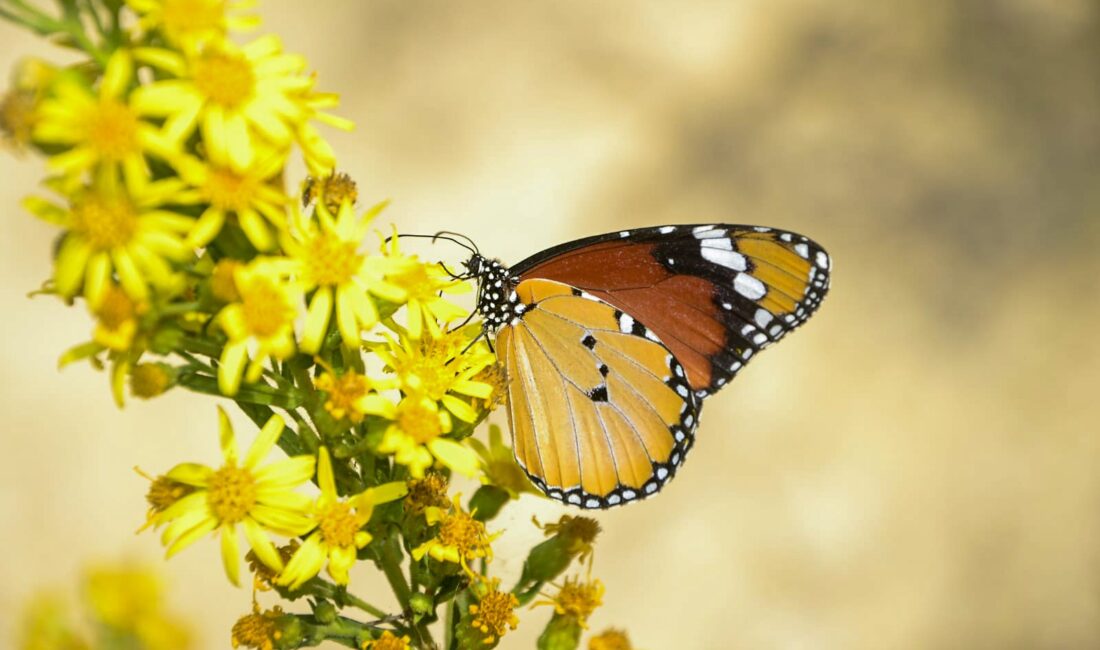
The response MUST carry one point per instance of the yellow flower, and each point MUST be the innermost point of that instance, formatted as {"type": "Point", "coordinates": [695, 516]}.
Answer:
{"type": "Point", "coordinates": [461, 538]}
{"type": "Point", "coordinates": [19, 106]}
{"type": "Point", "coordinates": [47, 625]}
{"type": "Point", "coordinates": [191, 23]}
{"type": "Point", "coordinates": [148, 380]}
{"type": "Point", "coordinates": [128, 600]}
{"type": "Point", "coordinates": [326, 252]}
{"type": "Point", "coordinates": [233, 95]}
{"type": "Point", "coordinates": [259, 629]}
{"type": "Point", "coordinates": [430, 491]}
{"type": "Point", "coordinates": [251, 195]}
{"type": "Point", "coordinates": [494, 613]}
{"type": "Point", "coordinates": [331, 190]}
{"type": "Point", "coordinates": [425, 283]}
{"type": "Point", "coordinates": [113, 231]}
{"type": "Point", "coordinates": [498, 465]}
{"type": "Point", "coordinates": [99, 128]}
{"type": "Point", "coordinates": [387, 641]}
{"type": "Point", "coordinates": [416, 438]}
{"type": "Point", "coordinates": [259, 499]}
{"type": "Point", "coordinates": [610, 639]}
{"type": "Point", "coordinates": [576, 599]}
{"type": "Point", "coordinates": [263, 319]}
{"type": "Point", "coordinates": [441, 367]}
{"type": "Point", "coordinates": [578, 534]}
{"type": "Point", "coordinates": [116, 319]}
{"type": "Point", "coordinates": [339, 531]}
{"type": "Point", "coordinates": [350, 395]}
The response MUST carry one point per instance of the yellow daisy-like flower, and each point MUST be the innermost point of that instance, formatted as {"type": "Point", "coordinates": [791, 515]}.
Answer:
{"type": "Point", "coordinates": [116, 319]}
{"type": "Point", "coordinates": [494, 612]}
{"type": "Point", "coordinates": [232, 95]}
{"type": "Point", "coordinates": [461, 538]}
{"type": "Point", "coordinates": [339, 533]}
{"type": "Point", "coordinates": [577, 599]}
{"type": "Point", "coordinates": [129, 601]}
{"type": "Point", "coordinates": [350, 395]}
{"type": "Point", "coordinates": [99, 128]}
{"type": "Point", "coordinates": [416, 437]}
{"type": "Point", "coordinates": [19, 106]}
{"type": "Point", "coordinates": [263, 319]}
{"type": "Point", "coordinates": [387, 641]}
{"type": "Point", "coordinates": [258, 629]}
{"type": "Point", "coordinates": [115, 231]}
{"type": "Point", "coordinates": [343, 280]}
{"type": "Point", "coordinates": [191, 23]}
{"type": "Point", "coordinates": [425, 283]}
{"type": "Point", "coordinates": [259, 499]}
{"type": "Point", "coordinates": [441, 367]}
{"type": "Point", "coordinates": [251, 195]}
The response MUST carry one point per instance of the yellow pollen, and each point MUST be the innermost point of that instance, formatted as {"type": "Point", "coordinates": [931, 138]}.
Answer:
{"type": "Point", "coordinates": [256, 630]}
{"type": "Point", "coordinates": [116, 309]}
{"type": "Point", "coordinates": [495, 613]}
{"type": "Point", "coordinates": [463, 532]}
{"type": "Point", "coordinates": [105, 222]}
{"type": "Point", "coordinates": [579, 599]}
{"type": "Point", "coordinates": [419, 423]}
{"type": "Point", "coordinates": [338, 525]}
{"type": "Point", "coordinates": [428, 491]}
{"type": "Point", "coordinates": [331, 261]}
{"type": "Point", "coordinates": [230, 191]}
{"type": "Point", "coordinates": [163, 492]}
{"type": "Point", "coordinates": [225, 79]}
{"type": "Point", "coordinates": [343, 393]}
{"type": "Point", "coordinates": [231, 493]}
{"type": "Point", "coordinates": [112, 130]}
{"type": "Point", "coordinates": [387, 642]}
{"type": "Point", "coordinates": [192, 17]}
{"type": "Point", "coordinates": [265, 309]}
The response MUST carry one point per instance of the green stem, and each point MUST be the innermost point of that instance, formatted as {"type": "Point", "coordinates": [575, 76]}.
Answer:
{"type": "Point", "coordinates": [342, 596]}
{"type": "Point", "coordinates": [389, 560]}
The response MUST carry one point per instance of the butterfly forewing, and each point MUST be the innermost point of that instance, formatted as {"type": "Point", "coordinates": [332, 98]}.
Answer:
{"type": "Point", "coordinates": [600, 408]}
{"type": "Point", "coordinates": [714, 294]}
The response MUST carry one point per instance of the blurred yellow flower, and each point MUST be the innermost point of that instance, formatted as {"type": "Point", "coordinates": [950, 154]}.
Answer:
{"type": "Point", "coordinates": [442, 367]}
{"type": "Point", "coordinates": [257, 629]}
{"type": "Point", "coordinates": [499, 466]}
{"type": "Point", "coordinates": [263, 319]}
{"type": "Point", "coordinates": [259, 499]}
{"type": "Point", "coordinates": [112, 230]}
{"type": "Point", "coordinates": [338, 535]}
{"type": "Point", "coordinates": [251, 195]}
{"type": "Point", "coordinates": [416, 438]}
{"type": "Point", "coordinates": [387, 641]}
{"type": "Point", "coordinates": [326, 251]}
{"type": "Point", "coordinates": [461, 538]}
{"type": "Point", "coordinates": [47, 625]}
{"type": "Point", "coordinates": [191, 23]}
{"type": "Point", "coordinates": [610, 639]}
{"type": "Point", "coordinates": [116, 319]}
{"type": "Point", "coordinates": [232, 94]}
{"type": "Point", "coordinates": [577, 599]}
{"type": "Point", "coordinates": [99, 128]}
{"type": "Point", "coordinates": [129, 601]}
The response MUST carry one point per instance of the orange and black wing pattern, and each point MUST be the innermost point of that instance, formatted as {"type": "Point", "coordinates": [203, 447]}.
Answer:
{"type": "Point", "coordinates": [714, 294]}
{"type": "Point", "coordinates": [601, 410]}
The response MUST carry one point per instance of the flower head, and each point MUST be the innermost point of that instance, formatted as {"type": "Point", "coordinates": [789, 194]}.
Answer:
{"type": "Point", "coordinates": [577, 534]}
{"type": "Point", "coordinates": [19, 106]}
{"type": "Point", "coordinates": [577, 599]}
{"type": "Point", "coordinates": [257, 498]}
{"type": "Point", "coordinates": [498, 465]}
{"type": "Point", "coordinates": [387, 641]}
{"type": "Point", "coordinates": [430, 491]}
{"type": "Point", "coordinates": [350, 395]}
{"type": "Point", "coordinates": [263, 319]}
{"type": "Point", "coordinates": [331, 191]}
{"type": "Point", "coordinates": [99, 127]}
{"type": "Point", "coordinates": [339, 528]}
{"type": "Point", "coordinates": [191, 23]}
{"type": "Point", "coordinates": [610, 639]}
{"type": "Point", "coordinates": [258, 629]}
{"type": "Point", "coordinates": [494, 612]}
{"type": "Point", "coordinates": [461, 538]}
{"type": "Point", "coordinates": [116, 319]}
{"type": "Point", "coordinates": [148, 380]}
{"type": "Point", "coordinates": [416, 437]}
{"type": "Point", "coordinates": [343, 279]}
{"type": "Point", "coordinates": [115, 231]}
{"type": "Point", "coordinates": [425, 285]}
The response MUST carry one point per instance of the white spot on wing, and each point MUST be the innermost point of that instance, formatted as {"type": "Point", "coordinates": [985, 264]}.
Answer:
{"type": "Point", "coordinates": [626, 324]}
{"type": "Point", "coordinates": [664, 230]}
{"type": "Point", "coordinates": [624, 233]}
{"type": "Point", "coordinates": [707, 232]}
{"type": "Point", "coordinates": [822, 259]}
{"type": "Point", "coordinates": [723, 243]}
{"type": "Point", "coordinates": [763, 317]}
{"type": "Point", "coordinates": [728, 259]}
{"type": "Point", "coordinates": [748, 286]}
{"type": "Point", "coordinates": [802, 249]}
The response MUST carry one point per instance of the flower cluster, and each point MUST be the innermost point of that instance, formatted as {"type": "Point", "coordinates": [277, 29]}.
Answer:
{"type": "Point", "coordinates": [203, 269]}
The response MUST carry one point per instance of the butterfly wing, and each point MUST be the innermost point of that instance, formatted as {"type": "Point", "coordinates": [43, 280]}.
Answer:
{"type": "Point", "coordinates": [714, 294]}
{"type": "Point", "coordinates": [601, 410]}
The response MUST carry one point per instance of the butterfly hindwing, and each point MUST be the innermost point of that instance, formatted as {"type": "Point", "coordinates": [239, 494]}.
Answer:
{"type": "Point", "coordinates": [714, 294]}
{"type": "Point", "coordinates": [601, 410]}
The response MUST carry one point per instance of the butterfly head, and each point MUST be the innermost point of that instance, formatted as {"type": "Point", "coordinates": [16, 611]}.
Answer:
{"type": "Point", "coordinates": [497, 301]}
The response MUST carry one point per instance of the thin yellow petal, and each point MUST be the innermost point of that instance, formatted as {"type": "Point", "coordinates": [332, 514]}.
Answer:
{"type": "Point", "coordinates": [231, 554]}
{"type": "Point", "coordinates": [263, 443]}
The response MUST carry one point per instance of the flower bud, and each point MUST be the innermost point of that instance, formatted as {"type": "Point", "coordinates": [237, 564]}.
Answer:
{"type": "Point", "coordinates": [561, 633]}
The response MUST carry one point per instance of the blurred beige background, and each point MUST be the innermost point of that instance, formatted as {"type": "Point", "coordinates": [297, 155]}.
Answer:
{"type": "Point", "coordinates": [917, 468]}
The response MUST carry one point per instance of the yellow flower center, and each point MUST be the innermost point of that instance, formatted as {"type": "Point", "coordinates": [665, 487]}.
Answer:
{"type": "Point", "coordinates": [229, 191]}
{"type": "Point", "coordinates": [430, 367]}
{"type": "Point", "coordinates": [495, 613]}
{"type": "Point", "coordinates": [266, 311]}
{"type": "Point", "coordinates": [112, 130]}
{"type": "Point", "coordinates": [231, 493]}
{"type": "Point", "coordinates": [331, 261]}
{"type": "Point", "coordinates": [579, 599]}
{"type": "Point", "coordinates": [105, 222]}
{"type": "Point", "coordinates": [225, 79]}
{"type": "Point", "coordinates": [610, 640]}
{"type": "Point", "coordinates": [419, 423]}
{"type": "Point", "coordinates": [463, 532]}
{"type": "Point", "coordinates": [148, 380]}
{"type": "Point", "coordinates": [163, 492]}
{"type": "Point", "coordinates": [343, 393]}
{"type": "Point", "coordinates": [188, 18]}
{"type": "Point", "coordinates": [388, 642]}
{"type": "Point", "coordinates": [428, 491]}
{"type": "Point", "coordinates": [338, 525]}
{"type": "Point", "coordinates": [116, 309]}
{"type": "Point", "coordinates": [256, 630]}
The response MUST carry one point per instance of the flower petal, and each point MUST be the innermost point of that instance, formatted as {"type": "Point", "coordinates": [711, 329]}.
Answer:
{"type": "Point", "coordinates": [263, 443]}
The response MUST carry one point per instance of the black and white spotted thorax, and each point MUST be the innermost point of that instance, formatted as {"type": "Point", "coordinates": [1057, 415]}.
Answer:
{"type": "Point", "coordinates": [497, 301]}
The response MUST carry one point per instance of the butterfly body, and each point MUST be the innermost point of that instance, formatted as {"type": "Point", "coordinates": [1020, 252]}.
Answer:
{"type": "Point", "coordinates": [611, 343]}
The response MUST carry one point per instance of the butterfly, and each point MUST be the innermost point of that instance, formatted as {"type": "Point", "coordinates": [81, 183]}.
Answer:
{"type": "Point", "coordinates": [611, 343]}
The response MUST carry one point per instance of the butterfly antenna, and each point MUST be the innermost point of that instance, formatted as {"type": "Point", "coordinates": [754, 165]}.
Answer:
{"type": "Point", "coordinates": [472, 246]}
{"type": "Point", "coordinates": [467, 246]}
